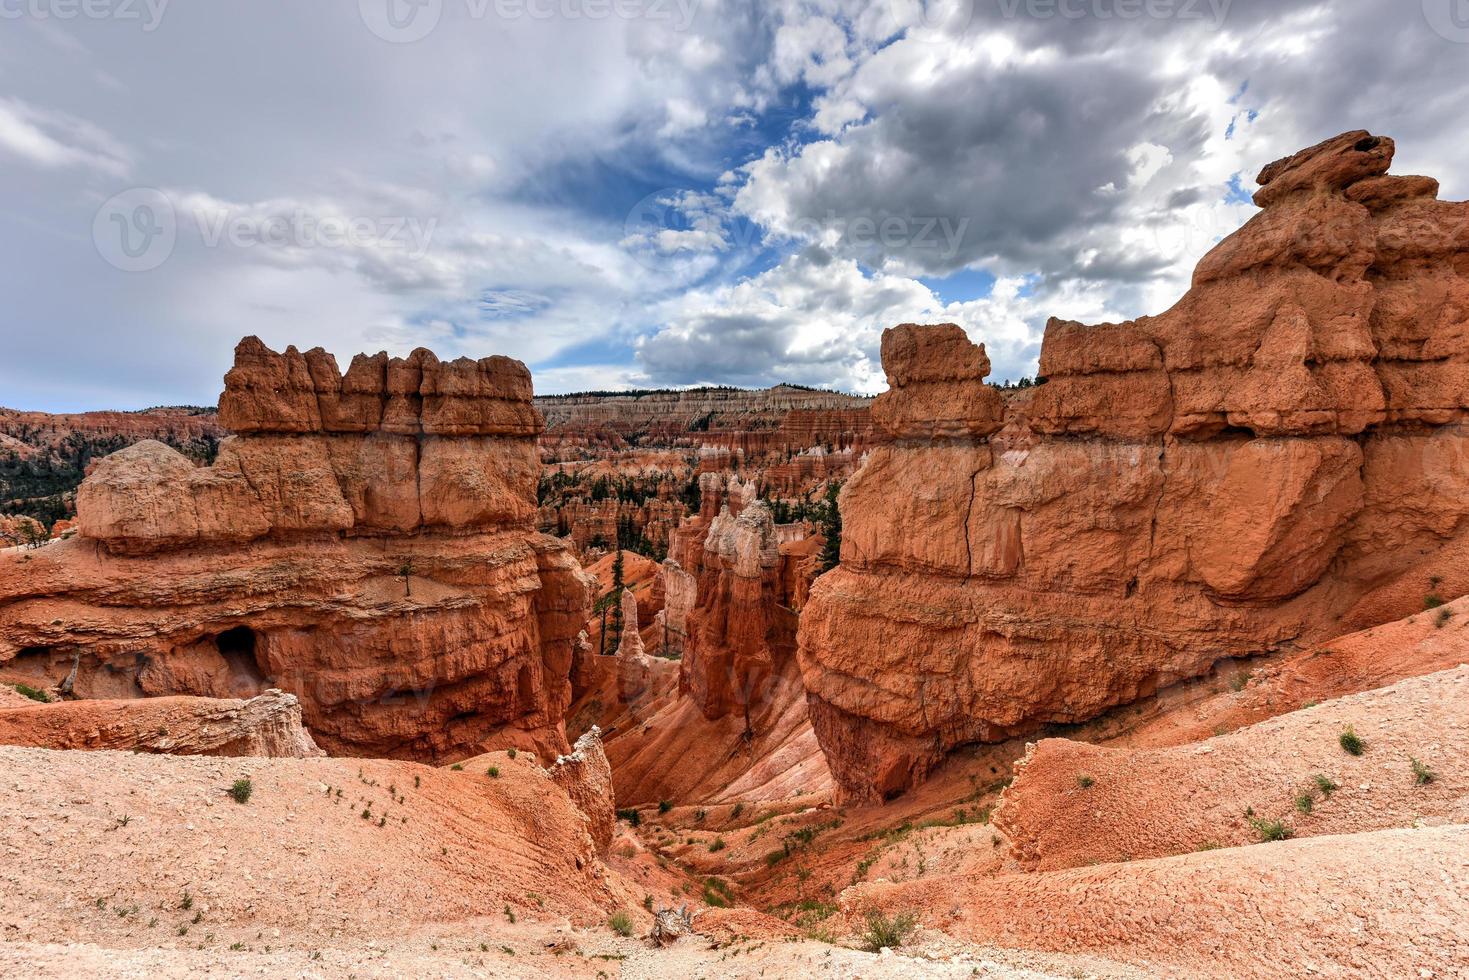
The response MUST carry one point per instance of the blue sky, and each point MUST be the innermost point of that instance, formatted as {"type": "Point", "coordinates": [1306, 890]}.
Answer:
{"type": "Point", "coordinates": [700, 191]}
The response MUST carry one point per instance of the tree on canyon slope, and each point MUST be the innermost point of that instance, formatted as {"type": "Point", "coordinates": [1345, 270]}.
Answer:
{"type": "Point", "coordinates": [831, 529]}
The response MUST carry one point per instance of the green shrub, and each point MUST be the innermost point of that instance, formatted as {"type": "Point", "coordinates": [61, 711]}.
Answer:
{"type": "Point", "coordinates": [493, 772]}
{"type": "Point", "coordinates": [1306, 802]}
{"type": "Point", "coordinates": [739, 808]}
{"type": "Point", "coordinates": [511, 752]}
{"type": "Point", "coordinates": [32, 693]}
{"type": "Point", "coordinates": [1352, 743]}
{"type": "Point", "coordinates": [1324, 784]}
{"type": "Point", "coordinates": [1085, 781]}
{"type": "Point", "coordinates": [242, 789]}
{"type": "Point", "coordinates": [1442, 619]}
{"type": "Point", "coordinates": [664, 806]}
{"type": "Point", "coordinates": [1422, 775]}
{"type": "Point", "coordinates": [630, 815]}
{"type": "Point", "coordinates": [884, 932]}
{"type": "Point", "coordinates": [620, 923]}
{"type": "Point", "coordinates": [456, 767]}
{"type": "Point", "coordinates": [1432, 601]}
{"type": "Point", "coordinates": [718, 845]}
{"type": "Point", "coordinates": [1270, 830]}
{"type": "Point", "coordinates": [717, 893]}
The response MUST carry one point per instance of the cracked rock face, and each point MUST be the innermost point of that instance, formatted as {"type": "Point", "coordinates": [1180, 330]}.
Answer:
{"type": "Point", "coordinates": [365, 542]}
{"type": "Point", "coordinates": [1279, 457]}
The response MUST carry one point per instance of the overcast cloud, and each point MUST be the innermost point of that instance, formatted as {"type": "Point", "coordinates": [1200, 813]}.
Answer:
{"type": "Point", "coordinates": [650, 192]}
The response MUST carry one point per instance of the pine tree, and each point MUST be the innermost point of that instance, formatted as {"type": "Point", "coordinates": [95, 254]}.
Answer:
{"type": "Point", "coordinates": [831, 529]}
{"type": "Point", "coordinates": [618, 583]}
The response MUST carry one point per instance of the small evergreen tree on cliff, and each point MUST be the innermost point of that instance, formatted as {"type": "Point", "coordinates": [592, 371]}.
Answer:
{"type": "Point", "coordinates": [831, 529]}
{"type": "Point", "coordinates": [618, 584]}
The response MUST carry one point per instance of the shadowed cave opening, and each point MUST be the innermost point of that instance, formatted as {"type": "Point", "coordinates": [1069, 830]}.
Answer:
{"type": "Point", "coordinates": [238, 647]}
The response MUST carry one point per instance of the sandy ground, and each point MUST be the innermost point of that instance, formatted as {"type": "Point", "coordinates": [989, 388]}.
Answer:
{"type": "Point", "coordinates": [1385, 904]}
{"type": "Point", "coordinates": [1074, 804]}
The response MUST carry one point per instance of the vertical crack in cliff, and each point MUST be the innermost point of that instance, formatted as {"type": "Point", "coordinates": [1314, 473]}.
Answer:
{"type": "Point", "coordinates": [1162, 452]}
{"type": "Point", "coordinates": [968, 516]}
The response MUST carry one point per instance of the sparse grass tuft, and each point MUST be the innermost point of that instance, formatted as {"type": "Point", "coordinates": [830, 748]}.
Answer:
{"type": "Point", "coordinates": [718, 845]}
{"type": "Point", "coordinates": [511, 752]}
{"type": "Point", "coordinates": [1442, 619]}
{"type": "Point", "coordinates": [1432, 601]}
{"type": "Point", "coordinates": [717, 893]}
{"type": "Point", "coordinates": [1085, 781]}
{"type": "Point", "coordinates": [1306, 802]}
{"type": "Point", "coordinates": [241, 790]}
{"type": "Point", "coordinates": [510, 914]}
{"type": "Point", "coordinates": [1270, 830]}
{"type": "Point", "coordinates": [456, 767]}
{"type": "Point", "coordinates": [620, 923]}
{"type": "Point", "coordinates": [887, 932]}
{"type": "Point", "coordinates": [1352, 743]}
{"type": "Point", "coordinates": [739, 808]}
{"type": "Point", "coordinates": [1422, 775]}
{"type": "Point", "coordinates": [1324, 784]}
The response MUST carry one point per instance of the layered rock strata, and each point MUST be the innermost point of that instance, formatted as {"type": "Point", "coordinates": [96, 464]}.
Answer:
{"type": "Point", "coordinates": [1278, 458]}
{"type": "Point", "coordinates": [266, 725]}
{"type": "Point", "coordinates": [364, 542]}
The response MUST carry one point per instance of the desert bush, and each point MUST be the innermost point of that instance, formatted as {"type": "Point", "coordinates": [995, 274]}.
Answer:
{"type": "Point", "coordinates": [620, 923]}
{"type": "Point", "coordinates": [32, 693]}
{"type": "Point", "coordinates": [630, 815]}
{"type": "Point", "coordinates": [493, 772]}
{"type": "Point", "coordinates": [1352, 743]}
{"type": "Point", "coordinates": [1324, 784]}
{"type": "Point", "coordinates": [664, 806]}
{"type": "Point", "coordinates": [1422, 775]}
{"type": "Point", "coordinates": [1085, 781]}
{"type": "Point", "coordinates": [1270, 830]}
{"type": "Point", "coordinates": [241, 790]}
{"type": "Point", "coordinates": [887, 932]}
{"type": "Point", "coordinates": [1306, 802]}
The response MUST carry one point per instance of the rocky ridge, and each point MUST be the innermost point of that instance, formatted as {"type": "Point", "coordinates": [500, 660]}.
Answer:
{"type": "Point", "coordinates": [1278, 457]}
{"type": "Point", "coordinates": [365, 542]}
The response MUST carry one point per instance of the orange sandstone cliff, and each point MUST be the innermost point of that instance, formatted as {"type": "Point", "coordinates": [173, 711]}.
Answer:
{"type": "Point", "coordinates": [1278, 458]}
{"type": "Point", "coordinates": [365, 542]}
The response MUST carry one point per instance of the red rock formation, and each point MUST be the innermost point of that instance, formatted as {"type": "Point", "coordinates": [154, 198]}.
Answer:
{"type": "Point", "coordinates": [1279, 457]}
{"type": "Point", "coordinates": [266, 725]}
{"type": "Point", "coordinates": [587, 778]}
{"type": "Point", "coordinates": [365, 543]}
{"type": "Point", "coordinates": [728, 658]}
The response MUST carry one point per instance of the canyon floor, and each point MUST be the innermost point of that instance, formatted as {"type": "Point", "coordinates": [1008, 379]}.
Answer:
{"type": "Point", "coordinates": [1130, 848]}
